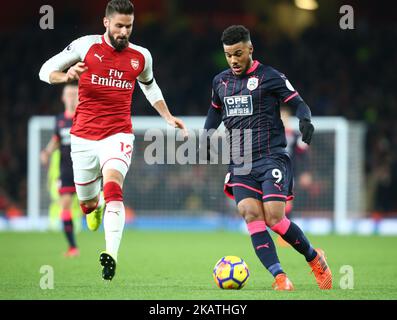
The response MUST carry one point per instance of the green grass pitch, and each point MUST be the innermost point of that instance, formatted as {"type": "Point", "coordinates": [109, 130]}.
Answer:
{"type": "Point", "coordinates": [178, 265]}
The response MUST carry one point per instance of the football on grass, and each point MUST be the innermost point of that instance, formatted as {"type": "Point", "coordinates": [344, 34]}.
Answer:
{"type": "Point", "coordinates": [231, 272]}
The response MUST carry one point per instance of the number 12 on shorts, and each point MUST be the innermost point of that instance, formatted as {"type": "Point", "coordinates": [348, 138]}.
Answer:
{"type": "Point", "coordinates": [126, 149]}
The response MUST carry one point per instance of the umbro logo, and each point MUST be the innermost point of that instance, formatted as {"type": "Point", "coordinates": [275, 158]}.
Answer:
{"type": "Point", "coordinates": [99, 57]}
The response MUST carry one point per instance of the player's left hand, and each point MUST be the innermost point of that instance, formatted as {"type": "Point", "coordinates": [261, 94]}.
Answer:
{"type": "Point", "coordinates": [307, 129]}
{"type": "Point", "coordinates": [178, 123]}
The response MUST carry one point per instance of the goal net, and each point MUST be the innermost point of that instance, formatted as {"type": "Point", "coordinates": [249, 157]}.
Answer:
{"type": "Point", "coordinates": [161, 192]}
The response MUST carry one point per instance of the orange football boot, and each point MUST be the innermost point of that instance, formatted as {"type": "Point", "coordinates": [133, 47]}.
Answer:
{"type": "Point", "coordinates": [72, 252]}
{"type": "Point", "coordinates": [321, 270]}
{"type": "Point", "coordinates": [282, 283]}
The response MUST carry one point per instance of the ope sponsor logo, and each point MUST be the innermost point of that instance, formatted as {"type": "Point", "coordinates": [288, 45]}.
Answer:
{"type": "Point", "coordinates": [238, 105]}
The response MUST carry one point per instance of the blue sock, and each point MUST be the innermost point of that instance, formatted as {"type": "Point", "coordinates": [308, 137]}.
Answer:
{"type": "Point", "coordinates": [266, 252]}
{"type": "Point", "coordinates": [297, 239]}
{"type": "Point", "coordinates": [68, 229]}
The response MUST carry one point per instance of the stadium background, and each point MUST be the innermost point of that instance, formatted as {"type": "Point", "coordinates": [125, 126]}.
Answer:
{"type": "Point", "coordinates": [347, 73]}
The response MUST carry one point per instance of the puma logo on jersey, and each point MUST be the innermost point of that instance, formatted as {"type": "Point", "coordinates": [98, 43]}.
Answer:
{"type": "Point", "coordinates": [99, 57]}
{"type": "Point", "coordinates": [225, 83]}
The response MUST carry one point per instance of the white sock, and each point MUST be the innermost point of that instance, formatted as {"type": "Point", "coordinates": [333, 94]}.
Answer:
{"type": "Point", "coordinates": [101, 200]}
{"type": "Point", "coordinates": [113, 224]}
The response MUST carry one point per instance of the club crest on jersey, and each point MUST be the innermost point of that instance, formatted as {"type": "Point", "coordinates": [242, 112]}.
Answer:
{"type": "Point", "coordinates": [135, 64]}
{"type": "Point", "coordinates": [227, 178]}
{"type": "Point", "coordinates": [252, 83]}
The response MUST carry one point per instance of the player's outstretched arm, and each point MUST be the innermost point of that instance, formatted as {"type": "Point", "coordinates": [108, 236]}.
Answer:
{"type": "Point", "coordinates": [279, 84]}
{"type": "Point", "coordinates": [153, 93]}
{"type": "Point", "coordinates": [155, 97]}
{"type": "Point", "coordinates": [175, 122]}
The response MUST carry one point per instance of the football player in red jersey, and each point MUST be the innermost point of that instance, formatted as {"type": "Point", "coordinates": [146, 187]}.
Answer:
{"type": "Point", "coordinates": [106, 67]}
{"type": "Point", "coordinates": [61, 140]}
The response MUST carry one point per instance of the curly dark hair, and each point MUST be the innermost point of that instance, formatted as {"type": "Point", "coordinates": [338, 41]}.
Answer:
{"type": "Point", "coordinates": [234, 34]}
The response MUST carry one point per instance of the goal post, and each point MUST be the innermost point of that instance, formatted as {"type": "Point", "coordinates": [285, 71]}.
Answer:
{"type": "Point", "coordinates": [191, 195]}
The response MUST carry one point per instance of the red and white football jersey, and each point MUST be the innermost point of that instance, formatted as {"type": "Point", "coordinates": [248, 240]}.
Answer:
{"type": "Point", "coordinates": [106, 88]}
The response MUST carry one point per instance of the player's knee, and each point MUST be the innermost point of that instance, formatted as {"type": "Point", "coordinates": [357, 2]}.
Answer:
{"type": "Point", "coordinates": [90, 203]}
{"type": "Point", "coordinates": [112, 192]}
{"type": "Point", "coordinates": [281, 226]}
{"type": "Point", "coordinates": [273, 220]}
{"type": "Point", "coordinates": [114, 175]}
{"type": "Point", "coordinates": [87, 206]}
{"type": "Point", "coordinates": [249, 213]}
{"type": "Point", "coordinates": [274, 212]}
{"type": "Point", "coordinates": [66, 201]}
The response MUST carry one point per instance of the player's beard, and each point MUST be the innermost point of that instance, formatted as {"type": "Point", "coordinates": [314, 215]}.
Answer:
{"type": "Point", "coordinates": [119, 44]}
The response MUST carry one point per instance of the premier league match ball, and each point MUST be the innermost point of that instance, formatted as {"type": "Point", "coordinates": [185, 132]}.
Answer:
{"type": "Point", "coordinates": [231, 272]}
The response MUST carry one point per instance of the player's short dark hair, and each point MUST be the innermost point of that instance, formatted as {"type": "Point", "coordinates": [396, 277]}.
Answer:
{"type": "Point", "coordinates": [119, 6]}
{"type": "Point", "coordinates": [235, 34]}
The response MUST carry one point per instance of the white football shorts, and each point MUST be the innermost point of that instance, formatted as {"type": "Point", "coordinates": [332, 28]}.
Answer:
{"type": "Point", "coordinates": [91, 157]}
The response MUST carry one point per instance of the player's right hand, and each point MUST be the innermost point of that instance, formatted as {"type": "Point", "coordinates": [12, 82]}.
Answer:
{"type": "Point", "coordinates": [178, 123]}
{"type": "Point", "coordinates": [75, 71]}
